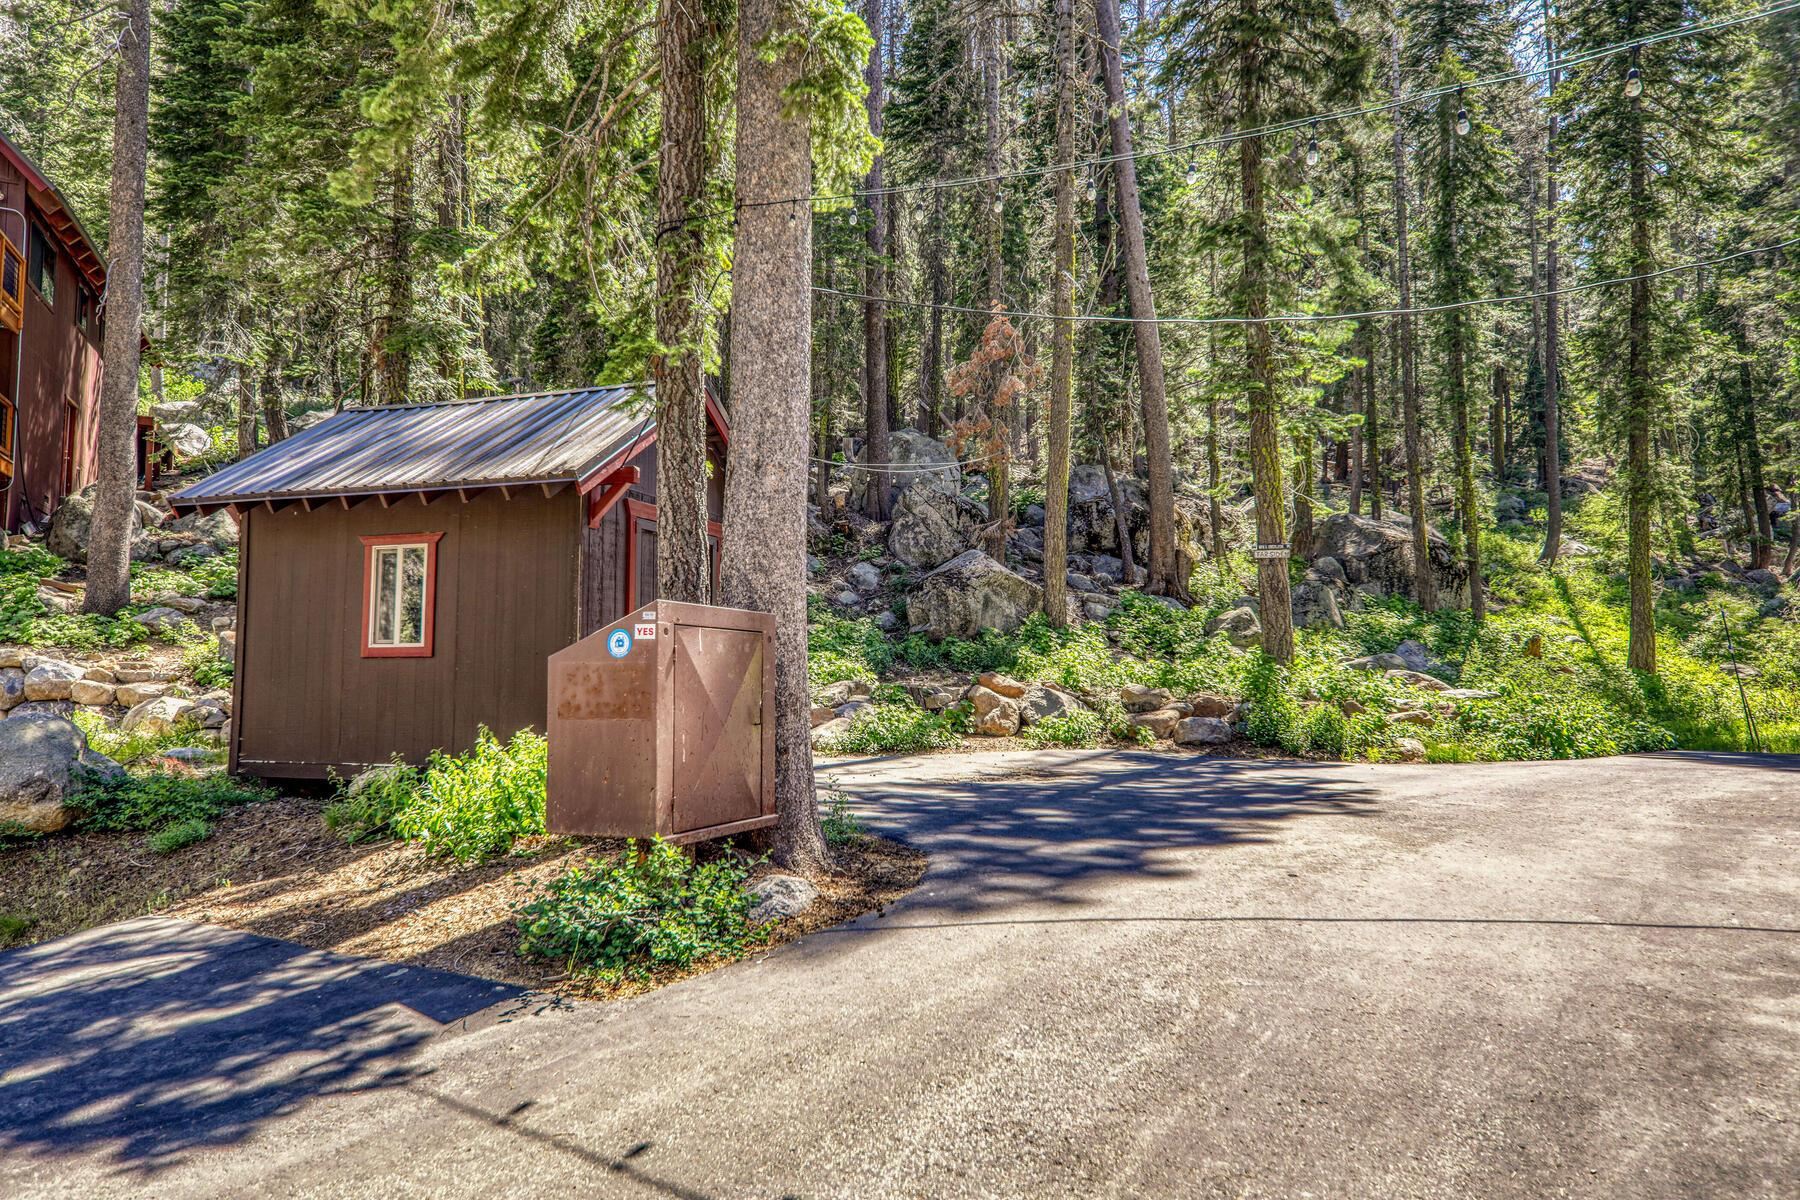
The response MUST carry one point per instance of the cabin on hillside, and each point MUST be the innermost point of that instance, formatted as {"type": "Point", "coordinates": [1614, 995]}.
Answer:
{"type": "Point", "coordinates": [51, 282]}
{"type": "Point", "coordinates": [405, 572]}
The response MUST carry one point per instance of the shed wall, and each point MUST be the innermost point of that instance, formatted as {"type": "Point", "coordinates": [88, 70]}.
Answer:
{"type": "Point", "coordinates": [505, 601]}
{"type": "Point", "coordinates": [59, 381]}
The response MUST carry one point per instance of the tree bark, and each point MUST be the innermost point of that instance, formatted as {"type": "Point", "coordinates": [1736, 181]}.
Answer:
{"type": "Point", "coordinates": [875, 350]}
{"type": "Point", "coordinates": [1762, 553]}
{"type": "Point", "coordinates": [1062, 331]}
{"type": "Point", "coordinates": [1215, 474]}
{"type": "Point", "coordinates": [931, 358]}
{"type": "Point", "coordinates": [1640, 486]}
{"type": "Point", "coordinates": [683, 553]}
{"type": "Point", "coordinates": [115, 497]}
{"type": "Point", "coordinates": [393, 359]}
{"type": "Point", "coordinates": [1424, 582]}
{"type": "Point", "coordinates": [1552, 340]}
{"type": "Point", "coordinates": [1276, 601]}
{"type": "Point", "coordinates": [1152, 390]}
{"type": "Point", "coordinates": [771, 328]}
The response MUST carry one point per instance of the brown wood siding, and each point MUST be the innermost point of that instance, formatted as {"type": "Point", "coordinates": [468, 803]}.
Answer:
{"type": "Point", "coordinates": [505, 601]}
{"type": "Point", "coordinates": [58, 380]}
{"type": "Point", "coordinates": [603, 550]}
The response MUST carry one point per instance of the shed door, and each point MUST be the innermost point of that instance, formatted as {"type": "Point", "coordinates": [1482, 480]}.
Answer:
{"type": "Point", "coordinates": [718, 726]}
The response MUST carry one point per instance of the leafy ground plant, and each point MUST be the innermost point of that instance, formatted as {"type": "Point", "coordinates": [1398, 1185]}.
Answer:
{"type": "Point", "coordinates": [902, 728]}
{"type": "Point", "coordinates": [367, 805]}
{"type": "Point", "coordinates": [130, 747]}
{"type": "Point", "coordinates": [640, 913]}
{"type": "Point", "coordinates": [172, 805]}
{"type": "Point", "coordinates": [475, 805]}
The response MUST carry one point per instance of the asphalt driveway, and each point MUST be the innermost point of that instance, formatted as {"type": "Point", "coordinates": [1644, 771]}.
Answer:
{"type": "Point", "coordinates": [1125, 975]}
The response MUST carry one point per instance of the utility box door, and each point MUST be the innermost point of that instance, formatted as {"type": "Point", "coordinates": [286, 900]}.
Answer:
{"type": "Point", "coordinates": [663, 724]}
{"type": "Point", "coordinates": [718, 726]}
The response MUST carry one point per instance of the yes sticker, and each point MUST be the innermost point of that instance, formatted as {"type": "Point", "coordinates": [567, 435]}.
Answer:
{"type": "Point", "coordinates": [644, 632]}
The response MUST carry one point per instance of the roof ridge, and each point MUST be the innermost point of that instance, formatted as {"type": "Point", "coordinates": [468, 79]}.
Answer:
{"type": "Point", "coordinates": [645, 385]}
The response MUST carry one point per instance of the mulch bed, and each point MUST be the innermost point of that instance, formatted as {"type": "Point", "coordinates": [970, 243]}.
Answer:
{"type": "Point", "coordinates": [273, 868]}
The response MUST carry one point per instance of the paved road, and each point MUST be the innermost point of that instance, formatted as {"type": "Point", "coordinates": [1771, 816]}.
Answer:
{"type": "Point", "coordinates": [1140, 975]}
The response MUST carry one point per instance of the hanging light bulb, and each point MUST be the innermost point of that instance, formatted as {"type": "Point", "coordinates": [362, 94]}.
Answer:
{"type": "Point", "coordinates": [1092, 191]}
{"type": "Point", "coordinates": [1634, 84]}
{"type": "Point", "coordinates": [1312, 146]}
{"type": "Point", "coordinates": [1462, 122]}
{"type": "Point", "coordinates": [999, 206]}
{"type": "Point", "coordinates": [1193, 172]}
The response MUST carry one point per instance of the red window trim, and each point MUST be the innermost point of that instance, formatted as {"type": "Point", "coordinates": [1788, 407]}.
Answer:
{"type": "Point", "coordinates": [370, 542]}
{"type": "Point", "coordinates": [637, 511]}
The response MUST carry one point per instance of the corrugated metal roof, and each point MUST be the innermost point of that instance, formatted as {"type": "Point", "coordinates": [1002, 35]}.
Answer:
{"type": "Point", "coordinates": [546, 438]}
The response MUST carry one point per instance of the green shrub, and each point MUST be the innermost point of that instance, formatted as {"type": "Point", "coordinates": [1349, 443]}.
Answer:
{"type": "Point", "coordinates": [26, 621]}
{"type": "Point", "coordinates": [171, 838]}
{"type": "Point", "coordinates": [894, 729]}
{"type": "Point", "coordinates": [200, 656]}
{"type": "Point", "coordinates": [1080, 727]}
{"type": "Point", "coordinates": [475, 805]}
{"type": "Point", "coordinates": [840, 823]}
{"type": "Point", "coordinates": [1325, 730]}
{"type": "Point", "coordinates": [34, 562]}
{"type": "Point", "coordinates": [14, 926]}
{"type": "Point", "coordinates": [156, 800]}
{"type": "Point", "coordinates": [633, 915]}
{"type": "Point", "coordinates": [367, 805]}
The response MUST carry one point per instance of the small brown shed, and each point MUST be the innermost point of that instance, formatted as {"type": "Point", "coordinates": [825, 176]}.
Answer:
{"type": "Point", "coordinates": [405, 572]}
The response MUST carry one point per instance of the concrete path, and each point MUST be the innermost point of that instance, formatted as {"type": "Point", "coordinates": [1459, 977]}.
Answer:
{"type": "Point", "coordinates": [1126, 975]}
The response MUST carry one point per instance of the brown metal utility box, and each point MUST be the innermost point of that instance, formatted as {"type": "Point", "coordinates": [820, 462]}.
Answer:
{"type": "Point", "coordinates": [664, 723]}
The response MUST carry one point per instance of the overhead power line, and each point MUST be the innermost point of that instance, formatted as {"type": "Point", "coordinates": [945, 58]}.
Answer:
{"type": "Point", "coordinates": [1226, 139]}
{"type": "Point", "coordinates": [1309, 318]}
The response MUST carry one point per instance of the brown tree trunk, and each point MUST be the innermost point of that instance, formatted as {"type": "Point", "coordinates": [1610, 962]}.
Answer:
{"type": "Point", "coordinates": [273, 411]}
{"type": "Point", "coordinates": [1424, 582]}
{"type": "Point", "coordinates": [1152, 390]}
{"type": "Point", "coordinates": [875, 350]}
{"type": "Point", "coordinates": [115, 497]}
{"type": "Point", "coordinates": [1640, 487]}
{"type": "Point", "coordinates": [1301, 539]}
{"type": "Point", "coordinates": [1275, 599]}
{"type": "Point", "coordinates": [1353, 394]}
{"type": "Point", "coordinates": [1215, 474]}
{"type": "Point", "coordinates": [1463, 452]}
{"type": "Point", "coordinates": [1062, 331]}
{"type": "Point", "coordinates": [1552, 340]}
{"type": "Point", "coordinates": [1497, 422]}
{"type": "Point", "coordinates": [1762, 554]}
{"type": "Point", "coordinates": [683, 553]}
{"type": "Point", "coordinates": [1371, 432]}
{"type": "Point", "coordinates": [393, 360]}
{"type": "Point", "coordinates": [931, 358]}
{"type": "Point", "coordinates": [771, 328]}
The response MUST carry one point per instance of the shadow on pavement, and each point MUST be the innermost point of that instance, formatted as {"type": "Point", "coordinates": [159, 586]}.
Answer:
{"type": "Point", "coordinates": [1001, 839]}
{"type": "Point", "coordinates": [155, 1037]}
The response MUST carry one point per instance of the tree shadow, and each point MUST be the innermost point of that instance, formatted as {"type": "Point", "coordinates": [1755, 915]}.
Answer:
{"type": "Point", "coordinates": [153, 1038]}
{"type": "Point", "coordinates": [999, 840]}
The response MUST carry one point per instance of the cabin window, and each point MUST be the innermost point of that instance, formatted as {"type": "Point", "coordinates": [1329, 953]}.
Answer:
{"type": "Point", "coordinates": [41, 266]}
{"type": "Point", "coordinates": [399, 594]}
{"type": "Point", "coordinates": [84, 307]}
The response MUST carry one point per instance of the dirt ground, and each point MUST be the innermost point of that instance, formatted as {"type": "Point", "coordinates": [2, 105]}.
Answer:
{"type": "Point", "coordinates": [273, 868]}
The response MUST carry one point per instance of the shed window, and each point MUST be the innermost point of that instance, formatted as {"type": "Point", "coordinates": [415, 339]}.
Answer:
{"type": "Point", "coordinates": [41, 269]}
{"type": "Point", "coordinates": [399, 593]}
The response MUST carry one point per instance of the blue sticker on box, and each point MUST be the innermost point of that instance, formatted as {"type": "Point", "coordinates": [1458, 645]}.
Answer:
{"type": "Point", "coordinates": [618, 643]}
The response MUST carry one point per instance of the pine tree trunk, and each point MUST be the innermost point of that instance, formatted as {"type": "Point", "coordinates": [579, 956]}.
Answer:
{"type": "Point", "coordinates": [1552, 340]}
{"type": "Point", "coordinates": [1353, 394]}
{"type": "Point", "coordinates": [1300, 541]}
{"type": "Point", "coordinates": [1497, 424]}
{"type": "Point", "coordinates": [771, 329]}
{"type": "Point", "coordinates": [1215, 512]}
{"type": "Point", "coordinates": [683, 553]}
{"type": "Point", "coordinates": [1152, 390]}
{"type": "Point", "coordinates": [1640, 489]}
{"type": "Point", "coordinates": [1762, 554]}
{"type": "Point", "coordinates": [273, 411]}
{"type": "Point", "coordinates": [393, 360]}
{"type": "Point", "coordinates": [931, 358]}
{"type": "Point", "coordinates": [1371, 410]}
{"type": "Point", "coordinates": [875, 349]}
{"type": "Point", "coordinates": [1463, 451]}
{"type": "Point", "coordinates": [1062, 332]}
{"type": "Point", "coordinates": [115, 497]}
{"type": "Point", "coordinates": [1424, 582]}
{"type": "Point", "coordinates": [1265, 418]}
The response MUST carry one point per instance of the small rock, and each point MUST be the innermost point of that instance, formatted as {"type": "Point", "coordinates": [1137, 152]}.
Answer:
{"type": "Point", "coordinates": [1741, 670]}
{"type": "Point", "coordinates": [51, 679]}
{"type": "Point", "coordinates": [158, 714]}
{"type": "Point", "coordinates": [1534, 645]}
{"type": "Point", "coordinates": [99, 675]}
{"type": "Point", "coordinates": [1412, 717]}
{"type": "Point", "coordinates": [1329, 569]}
{"type": "Point", "coordinates": [1211, 704]}
{"type": "Point", "coordinates": [995, 715]}
{"type": "Point", "coordinates": [37, 762]}
{"type": "Point", "coordinates": [852, 708]}
{"type": "Point", "coordinates": [137, 673]}
{"type": "Point", "coordinates": [1415, 654]}
{"type": "Point", "coordinates": [188, 754]}
{"type": "Point", "coordinates": [830, 729]}
{"type": "Point", "coordinates": [1467, 694]}
{"type": "Point", "coordinates": [1042, 701]}
{"type": "Point", "coordinates": [1352, 707]}
{"type": "Point", "coordinates": [1378, 662]}
{"type": "Point", "coordinates": [780, 897]}
{"type": "Point", "coordinates": [12, 688]}
{"type": "Point", "coordinates": [886, 621]}
{"type": "Point", "coordinates": [834, 694]}
{"type": "Point", "coordinates": [1095, 611]}
{"type": "Point", "coordinates": [1140, 699]}
{"type": "Point", "coordinates": [1007, 686]}
{"type": "Point", "coordinates": [1419, 680]}
{"type": "Point", "coordinates": [1161, 723]}
{"type": "Point", "coordinates": [1202, 731]}
{"type": "Point", "coordinates": [132, 694]}
{"type": "Point", "coordinates": [847, 599]}
{"type": "Point", "coordinates": [161, 620]}
{"type": "Point", "coordinates": [1080, 583]}
{"type": "Point", "coordinates": [823, 713]}
{"type": "Point", "coordinates": [1409, 749]}
{"type": "Point", "coordinates": [864, 577]}
{"type": "Point", "coordinates": [186, 604]}
{"type": "Point", "coordinates": [91, 693]}
{"type": "Point", "coordinates": [1240, 627]}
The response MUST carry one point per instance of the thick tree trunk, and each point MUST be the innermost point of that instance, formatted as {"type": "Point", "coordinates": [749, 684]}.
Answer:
{"type": "Point", "coordinates": [1552, 339]}
{"type": "Point", "coordinates": [875, 349]}
{"type": "Point", "coordinates": [109, 546]}
{"type": "Point", "coordinates": [931, 358]}
{"type": "Point", "coordinates": [1152, 390]}
{"type": "Point", "coordinates": [771, 328]}
{"type": "Point", "coordinates": [1640, 488]}
{"type": "Point", "coordinates": [1300, 541]}
{"type": "Point", "coordinates": [1463, 451]}
{"type": "Point", "coordinates": [1371, 410]}
{"type": "Point", "coordinates": [1497, 422]}
{"type": "Point", "coordinates": [1264, 403]}
{"type": "Point", "coordinates": [1355, 466]}
{"type": "Point", "coordinates": [683, 553]}
{"type": "Point", "coordinates": [1424, 582]}
{"type": "Point", "coordinates": [1062, 331]}
{"type": "Point", "coordinates": [274, 412]}
{"type": "Point", "coordinates": [1215, 475]}
{"type": "Point", "coordinates": [1762, 554]}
